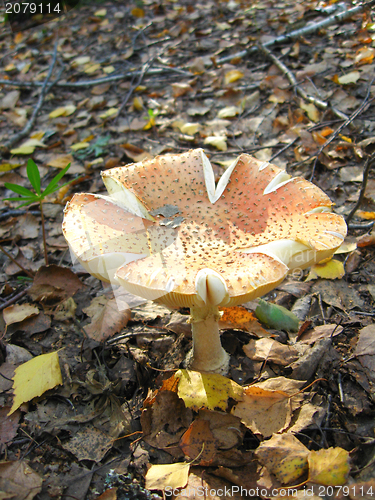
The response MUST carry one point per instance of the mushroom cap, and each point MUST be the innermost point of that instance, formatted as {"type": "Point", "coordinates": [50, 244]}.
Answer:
{"type": "Point", "coordinates": [166, 232]}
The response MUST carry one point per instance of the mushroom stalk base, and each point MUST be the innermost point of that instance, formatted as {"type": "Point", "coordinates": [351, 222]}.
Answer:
{"type": "Point", "coordinates": [207, 354]}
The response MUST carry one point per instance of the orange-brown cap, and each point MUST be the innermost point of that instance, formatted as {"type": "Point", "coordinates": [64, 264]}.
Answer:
{"type": "Point", "coordinates": [166, 232]}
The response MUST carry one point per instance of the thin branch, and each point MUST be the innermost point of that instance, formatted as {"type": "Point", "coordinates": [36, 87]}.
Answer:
{"type": "Point", "coordinates": [351, 118]}
{"type": "Point", "coordinates": [99, 81]}
{"type": "Point", "coordinates": [29, 274]}
{"type": "Point", "coordinates": [13, 299]}
{"type": "Point", "coordinates": [319, 103]}
{"type": "Point", "coordinates": [144, 70]}
{"type": "Point", "coordinates": [28, 127]}
{"type": "Point", "coordinates": [368, 164]}
{"type": "Point", "coordinates": [311, 28]}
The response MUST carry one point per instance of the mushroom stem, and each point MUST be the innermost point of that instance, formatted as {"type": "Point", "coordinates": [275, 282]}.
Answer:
{"type": "Point", "coordinates": [208, 354]}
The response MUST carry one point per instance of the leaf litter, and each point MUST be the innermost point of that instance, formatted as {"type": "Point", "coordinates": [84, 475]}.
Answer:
{"type": "Point", "coordinates": [201, 93]}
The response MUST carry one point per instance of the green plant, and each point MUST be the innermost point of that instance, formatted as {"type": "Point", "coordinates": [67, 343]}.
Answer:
{"type": "Point", "coordinates": [28, 197]}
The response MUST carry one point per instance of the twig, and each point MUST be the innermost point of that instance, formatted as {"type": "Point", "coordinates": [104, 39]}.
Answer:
{"type": "Point", "coordinates": [99, 81]}
{"type": "Point", "coordinates": [13, 299]}
{"type": "Point", "coordinates": [44, 233]}
{"type": "Point", "coordinates": [2, 249]}
{"type": "Point", "coordinates": [26, 130]}
{"type": "Point", "coordinates": [368, 164]}
{"type": "Point", "coordinates": [144, 70]}
{"type": "Point", "coordinates": [292, 80]}
{"type": "Point", "coordinates": [311, 28]}
{"type": "Point", "coordinates": [351, 118]}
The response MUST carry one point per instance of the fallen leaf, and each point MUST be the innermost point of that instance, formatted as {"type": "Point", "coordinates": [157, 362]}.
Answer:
{"type": "Point", "coordinates": [240, 318]}
{"type": "Point", "coordinates": [218, 141]}
{"type": "Point", "coordinates": [19, 312]}
{"type": "Point", "coordinates": [365, 215]}
{"type": "Point", "coordinates": [180, 89]}
{"type": "Point", "coordinates": [351, 77]}
{"type": "Point", "coordinates": [89, 444]}
{"type": "Point", "coordinates": [284, 456]}
{"type": "Point", "coordinates": [233, 76]}
{"type": "Point", "coordinates": [34, 378]}
{"type": "Point", "coordinates": [8, 425]}
{"type": "Point", "coordinates": [101, 13]}
{"type": "Point", "coordinates": [63, 111]}
{"type": "Point", "coordinates": [329, 467]}
{"type": "Point", "coordinates": [228, 112]}
{"type": "Point", "coordinates": [331, 270]}
{"type": "Point", "coordinates": [226, 428]}
{"type": "Point", "coordinates": [311, 111]}
{"type": "Point", "coordinates": [18, 481]}
{"type": "Point", "coordinates": [171, 476]}
{"type": "Point", "coordinates": [54, 284]}
{"type": "Point", "coordinates": [10, 100]}
{"type": "Point", "coordinates": [320, 332]}
{"type": "Point", "coordinates": [270, 350]}
{"type": "Point", "coordinates": [106, 318]}
{"type": "Point", "coordinates": [28, 147]}
{"type": "Point", "coordinates": [60, 161]}
{"type": "Point", "coordinates": [198, 440]}
{"type": "Point", "coordinates": [190, 128]}
{"type": "Point", "coordinates": [263, 411]}
{"type": "Point", "coordinates": [164, 419]}
{"type": "Point", "coordinates": [110, 112]}
{"type": "Point", "coordinates": [79, 145]}
{"type": "Point", "coordinates": [206, 390]}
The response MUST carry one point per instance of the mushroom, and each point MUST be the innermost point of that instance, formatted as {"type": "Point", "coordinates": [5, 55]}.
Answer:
{"type": "Point", "coordinates": [167, 233]}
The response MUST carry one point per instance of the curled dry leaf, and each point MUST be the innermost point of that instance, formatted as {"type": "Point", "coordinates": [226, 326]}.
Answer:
{"type": "Point", "coordinates": [270, 350]}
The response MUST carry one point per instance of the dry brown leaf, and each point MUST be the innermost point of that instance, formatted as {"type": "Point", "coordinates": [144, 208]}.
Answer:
{"type": "Point", "coordinates": [19, 481]}
{"type": "Point", "coordinates": [263, 411]}
{"type": "Point", "coordinates": [106, 318]}
{"type": "Point", "coordinates": [19, 312]}
{"type": "Point", "coordinates": [198, 440]}
{"type": "Point", "coordinates": [270, 350]}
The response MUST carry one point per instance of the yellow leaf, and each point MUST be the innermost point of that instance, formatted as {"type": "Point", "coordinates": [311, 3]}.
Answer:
{"type": "Point", "coordinates": [91, 68]}
{"type": "Point", "coordinates": [284, 456]}
{"type": "Point", "coordinates": [138, 103]}
{"type": "Point", "coordinates": [345, 138]}
{"type": "Point", "coordinates": [331, 270]}
{"type": "Point", "coordinates": [79, 145]}
{"type": "Point", "coordinates": [233, 76]}
{"type": "Point", "coordinates": [207, 390]}
{"type": "Point", "coordinates": [218, 141]}
{"type": "Point", "coordinates": [110, 112]}
{"type": "Point", "coordinates": [5, 167]}
{"type": "Point", "coordinates": [264, 411]}
{"type": "Point", "coordinates": [228, 112]}
{"type": "Point", "coordinates": [137, 12]}
{"type": "Point", "coordinates": [81, 60]}
{"type": "Point", "coordinates": [366, 215]}
{"type": "Point", "coordinates": [329, 467]}
{"type": "Point", "coordinates": [347, 246]}
{"type": "Point", "coordinates": [37, 135]}
{"type": "Point", "coordinates": [60, 161]}
{"type": "Point", "coordinates": [351, 77]}
{"type": "Point", "coordinates": [109, 69]}
{"type": "Point", "coordinates": [27, 147]}
{"type": "Point", "coordinates": [149, 124]}
{"type": "Point", "coordinates": [101, 13]}
{"type": "Point", "coordinates": [159, 477]}
{"type": "Point", "coordinates": [311, 111]}
{"type": "Point", "coordinates": [63, 111]}
{"type": "Point", "coordinates": [190, 128]}
{"type": "Point", "coordinates": [34, 378]}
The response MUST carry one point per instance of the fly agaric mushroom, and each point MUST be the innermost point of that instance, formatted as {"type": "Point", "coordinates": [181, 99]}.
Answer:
{"type": "Point", "coordinates": [167, 233]}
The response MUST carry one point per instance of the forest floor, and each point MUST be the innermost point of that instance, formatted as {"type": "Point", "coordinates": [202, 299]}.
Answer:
{"type": "Point", "coordinates": [129, 82]}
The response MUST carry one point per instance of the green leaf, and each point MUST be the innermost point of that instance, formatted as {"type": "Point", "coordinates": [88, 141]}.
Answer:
{"type": "Point", "coordinates": [33, 175]}
{"type": "Point", "coordinates": [57, 177]}
{"type": "Point", "coordinates": [18, 189]}
{"type": "Point", "coordinates": [275, 316]}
